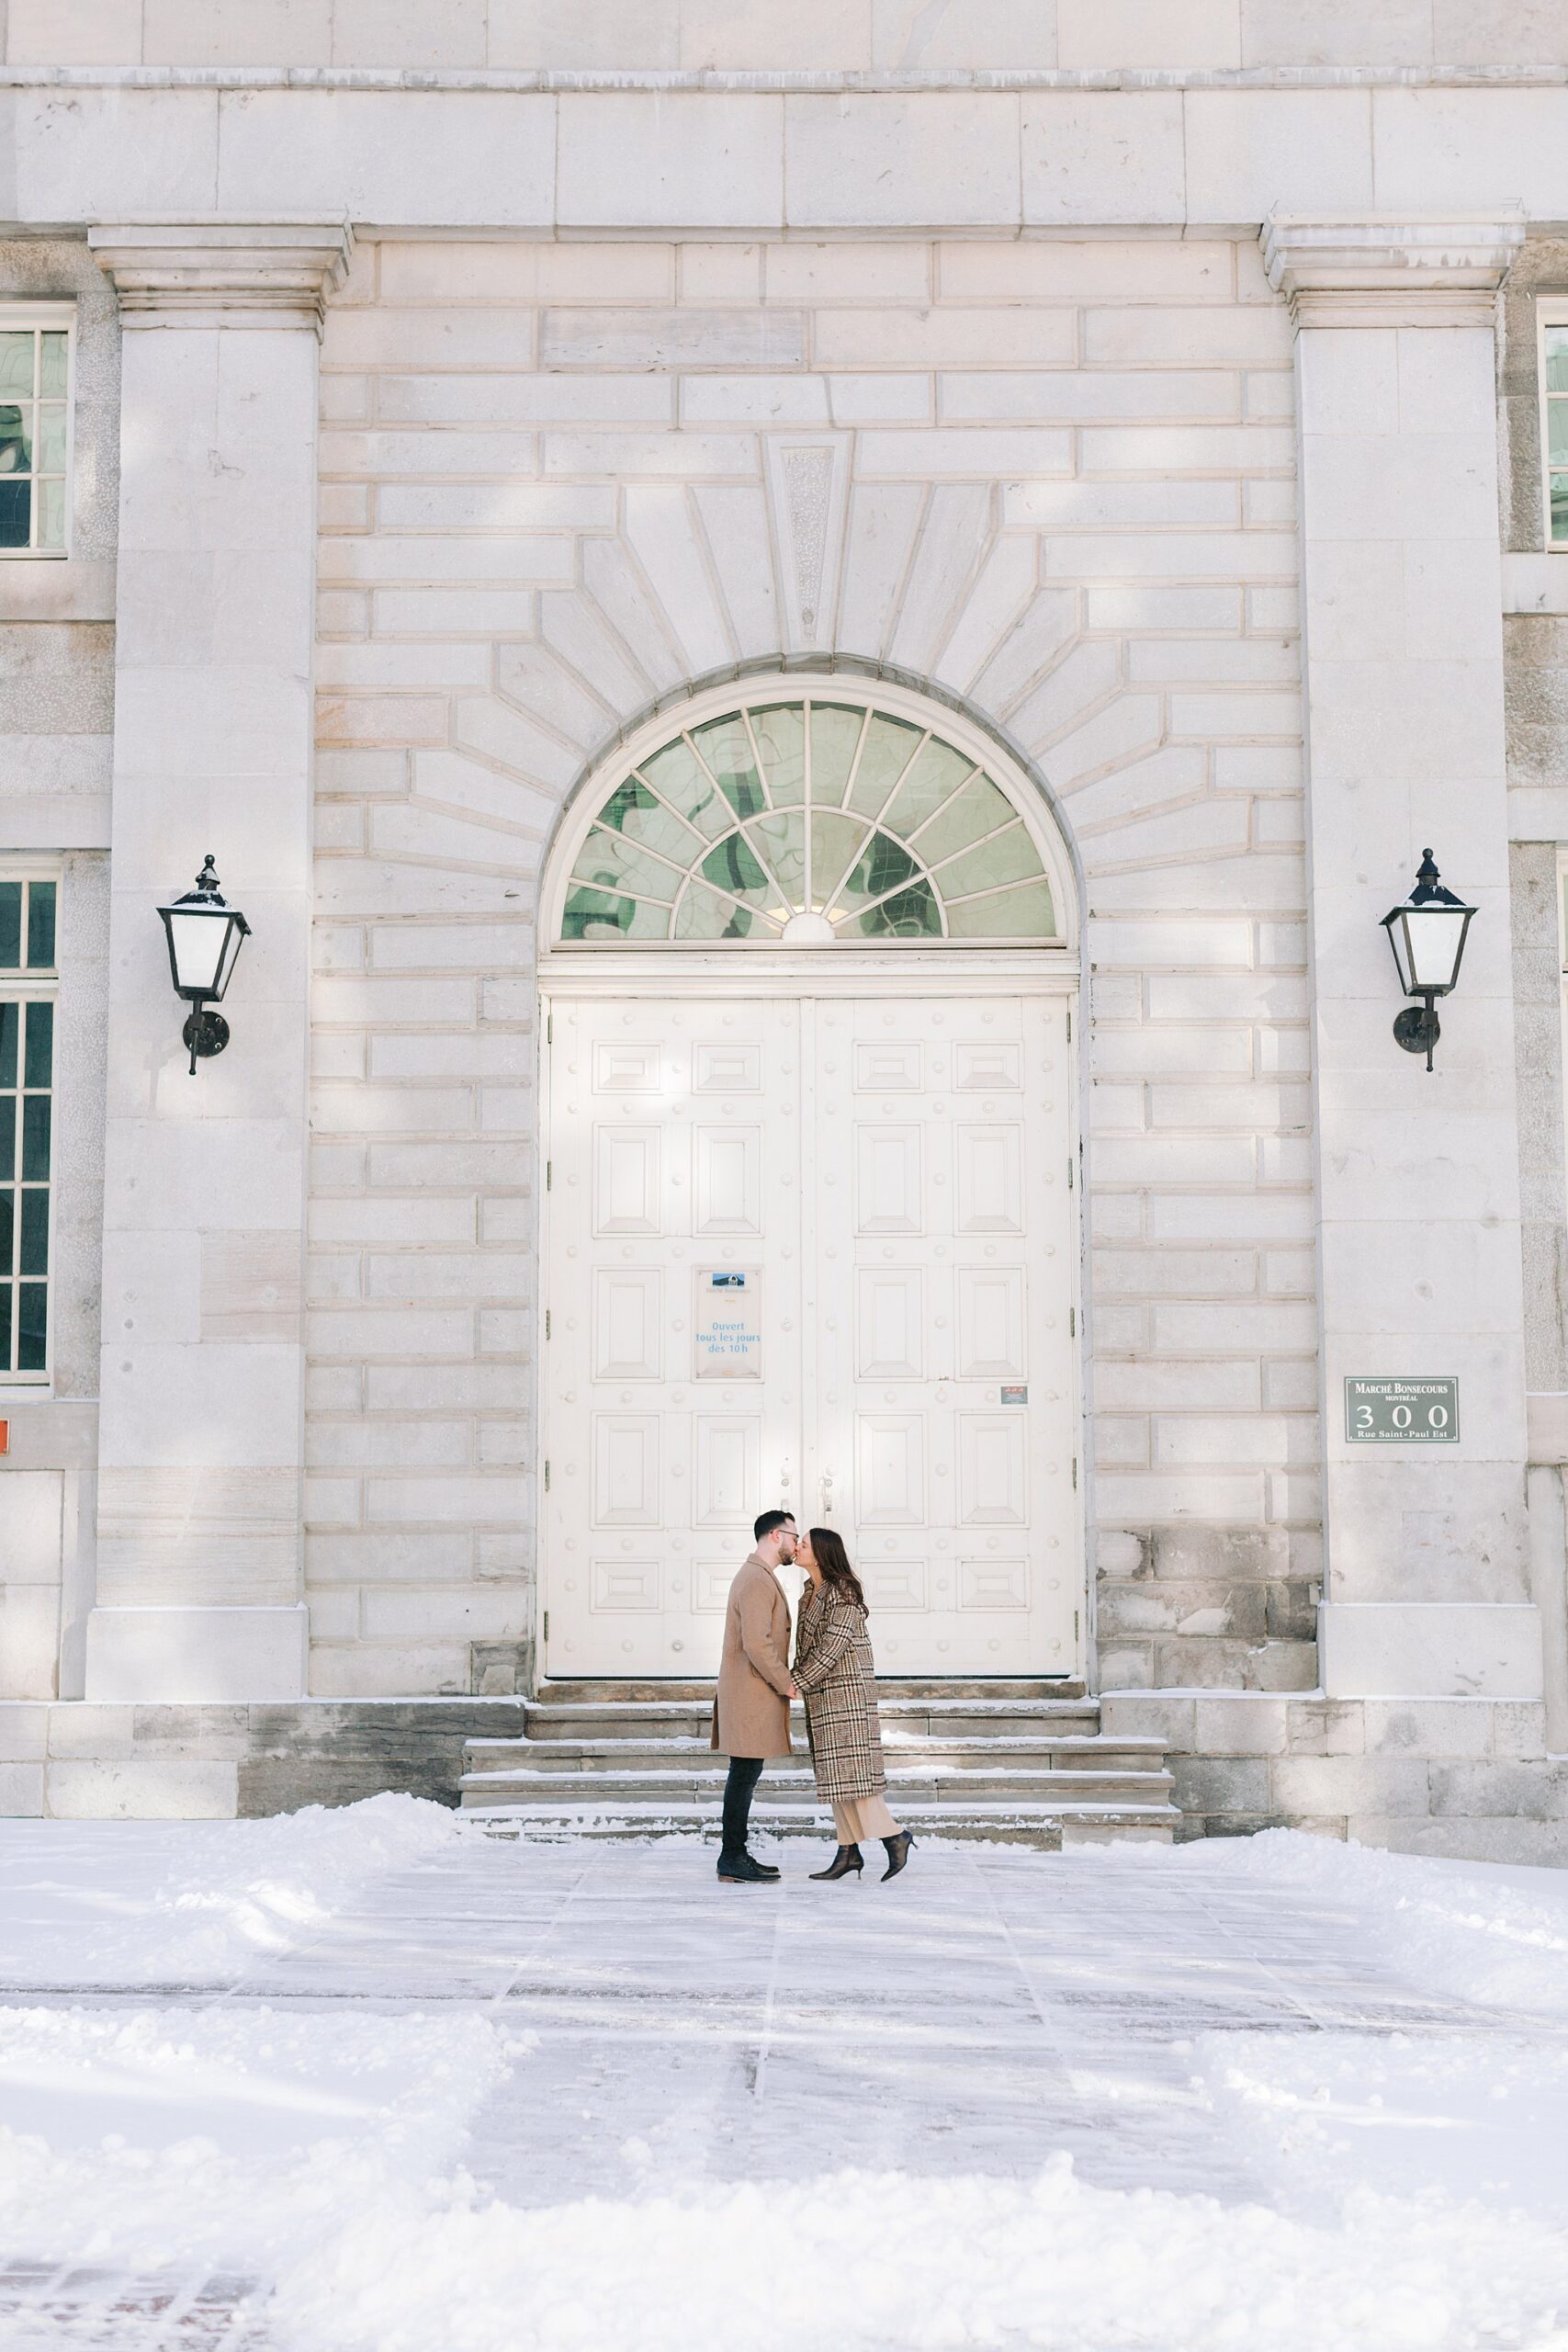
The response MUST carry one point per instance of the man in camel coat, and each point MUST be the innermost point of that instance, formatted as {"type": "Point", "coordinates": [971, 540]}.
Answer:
{"type": "Point", "coordinates": [751, 1714]}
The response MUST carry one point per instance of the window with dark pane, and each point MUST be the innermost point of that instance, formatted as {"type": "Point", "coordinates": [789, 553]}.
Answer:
{"type": "Point", "coordinates": [780, 808]}
{"type": "Point", "coordinates": [35, 413]}
{"type": "Point", "coordinates": [26, 1080]}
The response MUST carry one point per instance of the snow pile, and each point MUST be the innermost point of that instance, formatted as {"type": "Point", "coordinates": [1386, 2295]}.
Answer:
{"type": "Point", "coordinates": [864, 2262]}
{"type": "Point", "coordinates": [1475, 1931]}
{"type": "Point", "coordinates": [227, 2136]}
{"type": "Point", "coordinates": [236, 1890]}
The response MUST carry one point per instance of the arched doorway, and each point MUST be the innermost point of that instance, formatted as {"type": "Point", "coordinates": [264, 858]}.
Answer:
{"type": "Point", "coordinates": [810, 1224]}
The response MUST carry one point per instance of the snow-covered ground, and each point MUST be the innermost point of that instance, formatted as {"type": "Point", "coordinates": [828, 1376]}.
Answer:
{"type": "Point", "coordinates": [370, 2082]}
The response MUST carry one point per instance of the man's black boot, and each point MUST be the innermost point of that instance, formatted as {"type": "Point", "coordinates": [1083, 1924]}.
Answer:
{"type": "Point", "coordinates": [743, 1870]}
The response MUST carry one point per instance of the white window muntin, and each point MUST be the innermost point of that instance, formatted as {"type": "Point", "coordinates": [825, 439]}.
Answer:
{"type": "Point", "coordinates": [29, 980]}
{"type": "Point", "coordinates": [36, 402]}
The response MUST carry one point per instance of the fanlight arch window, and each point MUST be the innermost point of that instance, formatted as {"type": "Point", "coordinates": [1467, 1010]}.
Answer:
{"type": "Point", "coordinates": [809, 819]}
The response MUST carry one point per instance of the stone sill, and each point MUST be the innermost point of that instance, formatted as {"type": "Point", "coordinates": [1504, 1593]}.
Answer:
{"type": "Point", "coordinates": [1536, 582]}
{"type": "Point", "coordinates": [57, 588]}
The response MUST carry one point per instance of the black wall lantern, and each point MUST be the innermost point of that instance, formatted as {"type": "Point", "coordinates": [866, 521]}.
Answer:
{"type": "Point", "coordinates": [1428, 934]}
{"type": "Point", "coordinates": [204, 935]}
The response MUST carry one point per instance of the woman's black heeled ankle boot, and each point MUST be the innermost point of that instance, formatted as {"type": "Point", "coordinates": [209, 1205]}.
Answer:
{"type": "Point", "coordinates": [897, 1853]}
{"type": "Point", "coordinates": [847, 1859]}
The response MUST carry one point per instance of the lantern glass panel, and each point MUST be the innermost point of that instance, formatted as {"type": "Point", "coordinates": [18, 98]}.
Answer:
{"type": "Point", "coordinates": [198, 942]}
{"type": "Point", "coordinates": [230, 956]}
{"type": "Point", "coordinates": [1436, 936]}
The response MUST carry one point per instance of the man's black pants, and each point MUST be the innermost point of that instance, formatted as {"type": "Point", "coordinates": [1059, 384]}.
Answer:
{"type": "Point", "coordinates": [745, 1772]}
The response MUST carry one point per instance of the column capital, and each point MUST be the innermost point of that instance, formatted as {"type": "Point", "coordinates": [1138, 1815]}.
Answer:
{"type": "Point", "coordinates": [223, 273]}
{"type": "Point", "coordinates": [1393, 270]}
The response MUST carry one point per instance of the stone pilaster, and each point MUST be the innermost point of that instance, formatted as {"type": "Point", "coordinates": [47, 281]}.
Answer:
{"type": "Point", "coordinates": [200, 1574]}
{"type": "Point", "coordinates": [1427, 1585]}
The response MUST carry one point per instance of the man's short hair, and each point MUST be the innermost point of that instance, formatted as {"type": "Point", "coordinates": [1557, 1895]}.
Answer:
{"type": "Point", "coordinates": [766, 1526]}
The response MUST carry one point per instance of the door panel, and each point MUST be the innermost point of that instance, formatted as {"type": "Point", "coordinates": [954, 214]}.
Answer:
{"type": "Point", "coordinates": [670, 1402]}
{"type": "Point", "coordinates": [818, 1253]}
{"type": "Point", "coordinates": [943, 1427]}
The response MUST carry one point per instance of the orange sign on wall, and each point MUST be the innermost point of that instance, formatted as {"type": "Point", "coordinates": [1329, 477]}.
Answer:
{"type": "Point", "coordinates": [5, 1437]}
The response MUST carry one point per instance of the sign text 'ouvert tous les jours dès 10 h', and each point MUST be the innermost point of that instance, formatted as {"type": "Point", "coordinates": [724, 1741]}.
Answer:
{"type": "Point", "coordinates": [728, 1324]}
{"type": "Point", "coordinates": [1401, 1412]}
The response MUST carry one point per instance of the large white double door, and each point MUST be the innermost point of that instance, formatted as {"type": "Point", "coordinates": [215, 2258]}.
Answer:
{"type": "Point", "coordinates": [816, 1252]}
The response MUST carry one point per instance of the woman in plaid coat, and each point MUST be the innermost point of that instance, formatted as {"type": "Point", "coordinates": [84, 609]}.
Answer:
{"type": "Point", "coordinates": [836, 1676]}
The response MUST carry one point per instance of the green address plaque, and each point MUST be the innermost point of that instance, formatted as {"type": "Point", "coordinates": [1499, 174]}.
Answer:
{"type": "Point", "coordinates": [1401, 1412]}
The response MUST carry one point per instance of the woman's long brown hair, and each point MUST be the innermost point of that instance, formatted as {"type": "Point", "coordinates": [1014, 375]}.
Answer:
{"type": "Point", "coordinates": [827, 1551]}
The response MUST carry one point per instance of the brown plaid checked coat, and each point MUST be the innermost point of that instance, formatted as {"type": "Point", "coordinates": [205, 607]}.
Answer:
{"type": "Point", "coordinates": [836, 1678]}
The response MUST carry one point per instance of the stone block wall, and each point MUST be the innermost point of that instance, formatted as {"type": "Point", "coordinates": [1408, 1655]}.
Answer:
{"type": "Point", "coordinates": [550, 500]}
{"type": "Point", "coordinates": [92, 1763]}
{"type": "Point", "coordinates": [1465, 1777]}
{"type": "Point", "coordinates": [850, 36]}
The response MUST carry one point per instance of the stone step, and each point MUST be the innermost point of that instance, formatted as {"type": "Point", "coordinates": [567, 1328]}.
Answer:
{"type": "Point", "coordinates": [1048, 1828]}
{"type": "Point", "coordinates": [694, 1785]}
{"type": "Point", "coordinates": [953, 1718]}
{"type": "Point", "coordinates": [599, 1692]}
{"type": "Point", "coordinates": [902, 1750]}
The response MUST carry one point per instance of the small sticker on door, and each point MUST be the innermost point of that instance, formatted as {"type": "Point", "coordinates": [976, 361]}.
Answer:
{"type": "Point", "coordinates": [1015, 1395]}
{"type": "Point", "coordinates": [728, 1324]}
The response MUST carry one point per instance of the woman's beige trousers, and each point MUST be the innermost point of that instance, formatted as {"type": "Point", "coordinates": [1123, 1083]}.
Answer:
{"type": "Point", "coordinates": [858, 1817]}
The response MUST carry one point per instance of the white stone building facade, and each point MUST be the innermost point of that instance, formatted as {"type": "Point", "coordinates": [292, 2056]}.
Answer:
{"type": "Point", "coordinates": [1146, 408]}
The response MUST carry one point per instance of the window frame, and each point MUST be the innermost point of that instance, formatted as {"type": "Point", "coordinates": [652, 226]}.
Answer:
{"type": "Point", "coordinates": [27, 987]}
{"type": "Point", "coordinates": [765, 685]}
{"type": "Point", "coordinates": [1551, 311]}
{"type": "Point", "coordinates": [51, 318]}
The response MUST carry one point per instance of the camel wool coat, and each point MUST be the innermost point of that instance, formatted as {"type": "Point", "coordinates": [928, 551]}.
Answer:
{"type": "Point", "coordinates": [836, 1675]}
{"type": "Point", "coordinates": [751, 1714]}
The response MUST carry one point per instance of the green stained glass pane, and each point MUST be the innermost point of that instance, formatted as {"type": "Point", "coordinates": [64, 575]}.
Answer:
{"type": "Point", "coordinates": [35, 1138]}
{"type": "Point", "coordinates": [52, 375]}
{"type": "Point", "coordinates": [7, 1135]}
{"type": "Point", "coordinates": [10, 1025]}
{"type": "Point", "coordinates": [16, 431]}
{"type": "Point", "coordinates": [51, 514]}
{"type": "Point", "coordinates": [834, 842]}
{"type": "Point", "coordinates": [934, 777]}
{"type": "Point", "coordinates": [703, 914]}
{"type": "Point", "coordinates": [677, 776]}
{"type": "Point", "coordinates": [40, 927]}
{"type": "Point", "coordinates": [733, 865]}
{"type": "Point", "coordinates": [633, 811]}
{"type": "Point", "coordinates": [781, 841]}
{"type": "Point", "coordinates": [1559, 517]}
{"type": "Point", "coordinates": [5, 1297]}
{"type": "Point", "coordinates": [41, 1044]}
{"type": "Point", "coordinates": [596, 914]}
{"type": "Point", "coordinates": [890, 744]}
{"type": "Point", "coordinates": [1557, 432]}
{"type": "Point", "coordinates": [615, 864]}
{"type": "Point", "coordinates": [1007, 857]}
{"type": "Point", "coordinates": [33, 1256]}
{"type": "Point", "coordinates": [51, 437]}
{"type": "Point", "coordinates": [1025, 912]}
{"type": "Point", "coordinates": [7, 1235]}
{"type": "Point", "coordinates": [16, 367]}
{"type": "Point", "coordinates": [883, 866]}
{"type": "Point", "coordinates": [975, 809]}
{"type": "Point", "coordinates": [1557, 360]}
{"type": "Point", "coordinates": [10, 925]}
{"type": "Point", "coordinates": [727, 749]}
{"type": "Point", "coordinates": [32, 1327]}
{"type": "Point", "coordinates": [835, 731]}
{"type": "Point", "coordinates": [15, 513]}
{"type": "Point", "coordinates": [908, 914]}
{"type": "Point", "coordinates": [780, 745]}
